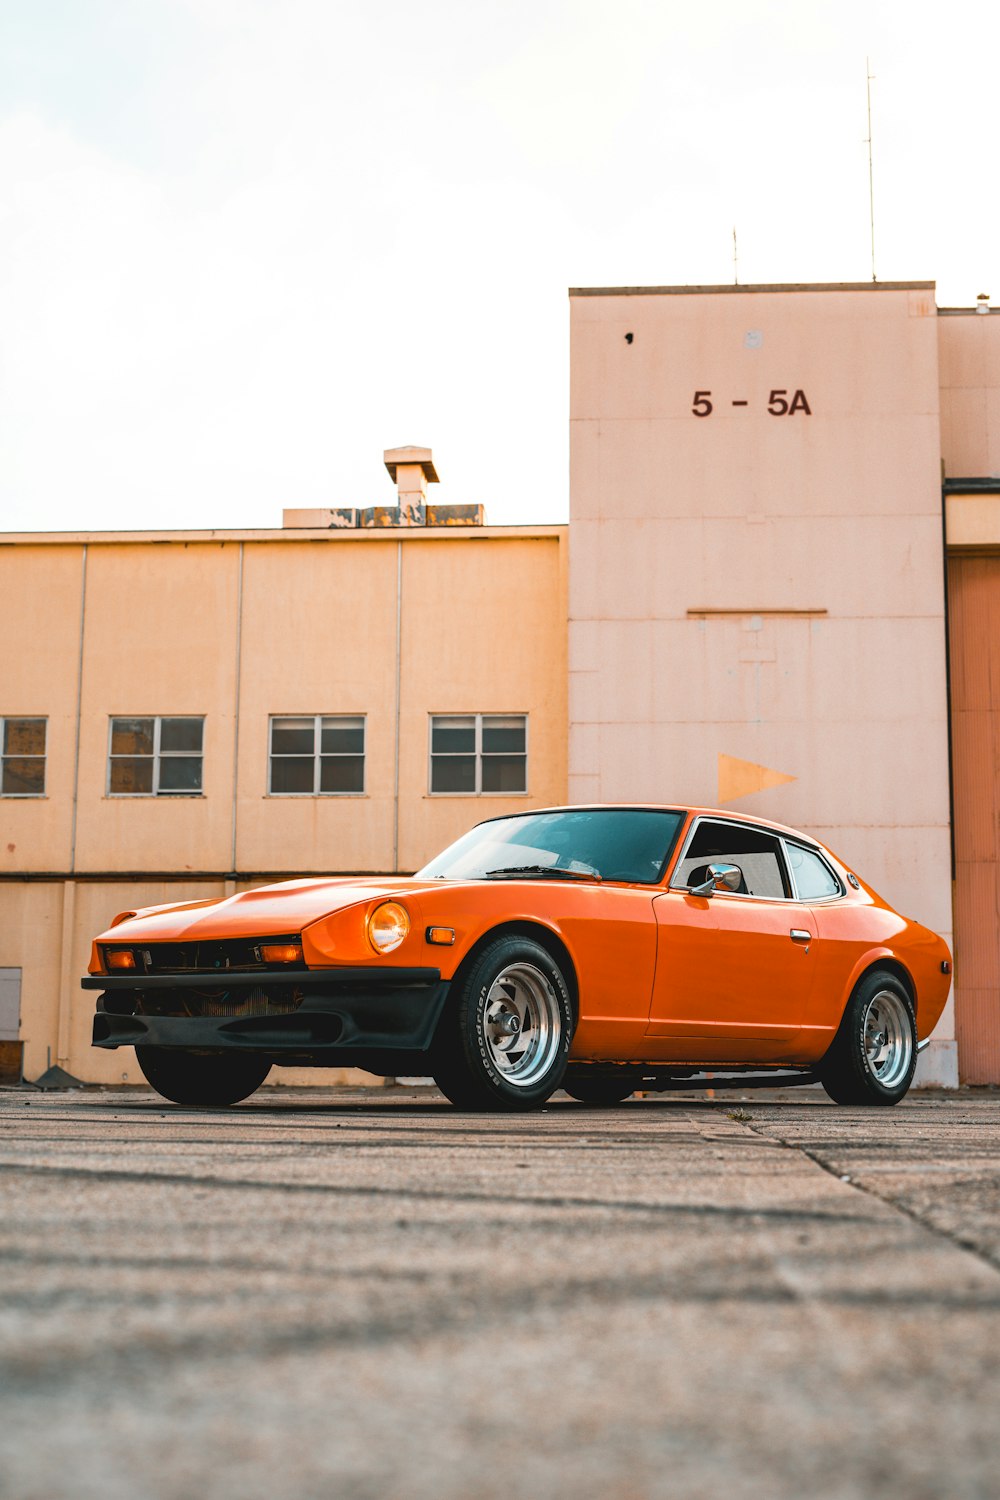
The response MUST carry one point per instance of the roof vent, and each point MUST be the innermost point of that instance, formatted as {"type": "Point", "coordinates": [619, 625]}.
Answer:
{"type": "Point", "coordinates": [983, 302]}
{"type": "Point", "coordinates": [411, 469]}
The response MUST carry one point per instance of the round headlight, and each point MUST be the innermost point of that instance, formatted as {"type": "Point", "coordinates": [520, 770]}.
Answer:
{"type": "Point", "coordinates": [387, 927]}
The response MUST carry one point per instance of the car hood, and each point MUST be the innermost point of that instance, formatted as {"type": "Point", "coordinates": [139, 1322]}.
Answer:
{"type": "Point", "coordinates": [268, 911]}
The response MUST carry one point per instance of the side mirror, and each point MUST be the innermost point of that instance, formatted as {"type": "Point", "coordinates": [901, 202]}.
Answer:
{"type": "Point", "coordinates": [719, 878]}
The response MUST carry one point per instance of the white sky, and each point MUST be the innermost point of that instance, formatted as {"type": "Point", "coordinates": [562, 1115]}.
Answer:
{"type": "Point", "coordinates": [247, 244]}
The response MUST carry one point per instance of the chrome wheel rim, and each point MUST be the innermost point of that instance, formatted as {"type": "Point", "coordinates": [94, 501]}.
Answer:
{"type": "Point", "coordinates": [522, 1024]}
{"type": "Point", "coordinates": [888, 1038]}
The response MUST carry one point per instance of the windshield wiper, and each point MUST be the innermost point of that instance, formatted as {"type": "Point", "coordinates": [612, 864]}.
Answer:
{"type": "Point", "coordinates": [556, 872]}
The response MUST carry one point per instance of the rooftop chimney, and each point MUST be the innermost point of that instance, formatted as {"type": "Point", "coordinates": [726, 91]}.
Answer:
{"type": "Point", "coordinates": [983, 302]}
{"type": "Point", "coordinates": [411, 469]}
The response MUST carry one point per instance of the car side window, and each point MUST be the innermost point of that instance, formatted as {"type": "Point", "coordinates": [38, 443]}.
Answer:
{"type": "Point", "coordinates": [814, 880]}
{"type": "Point", "coordinates": [757, 854]}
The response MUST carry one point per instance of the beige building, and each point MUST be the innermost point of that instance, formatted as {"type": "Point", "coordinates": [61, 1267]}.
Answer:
{"type": "Point", "coordinates": [190, 713]}
{"type": "Point", "coordinates": [779, 591]}
{"type": "Point", "coordinates": [969, 364]}
{"type": "Point", "coordinates": [757, 584]}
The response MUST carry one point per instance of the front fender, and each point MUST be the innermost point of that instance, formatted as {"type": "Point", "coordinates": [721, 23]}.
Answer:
{"type": "Point", "coordinates": [471, 911]}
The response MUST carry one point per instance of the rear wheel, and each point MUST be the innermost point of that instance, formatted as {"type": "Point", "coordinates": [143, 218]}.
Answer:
{"type": "Point", "coordinates": [201, 1077]}
{"type": "Point", "coordinates": [874, 1055]}
{"type": "Point", "coordinates": [505, 1036]}
{"type": "Point", "coordinates": [589, 1087]}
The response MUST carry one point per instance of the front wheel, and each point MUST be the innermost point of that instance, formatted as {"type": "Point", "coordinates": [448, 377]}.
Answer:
{"type": "Point", "coordinates": [505, 1036]}
{"type": "Point", "coordinates": [201, 1077]}
{"type": "Point", "coordinates": [874, 1054]}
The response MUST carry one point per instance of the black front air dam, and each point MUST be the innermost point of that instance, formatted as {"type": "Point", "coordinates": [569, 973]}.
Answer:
{"type": "Point", "coordinates": [347, 1011]}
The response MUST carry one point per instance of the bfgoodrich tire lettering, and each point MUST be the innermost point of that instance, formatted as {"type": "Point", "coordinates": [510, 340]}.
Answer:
{"type": "Point", "coordinates": [874, 1054]}
{"type": "Point", "coordinates": [201, 1077]}
{"type": "Point", "coordinates": [505, 1035]}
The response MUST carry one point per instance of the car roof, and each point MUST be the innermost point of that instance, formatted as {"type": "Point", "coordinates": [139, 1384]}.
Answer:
{"type": "Point", "coordinates": [727, 816]}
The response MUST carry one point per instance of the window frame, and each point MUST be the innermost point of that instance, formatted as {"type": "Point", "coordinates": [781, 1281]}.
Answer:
{"type": "Point", "coordinates": [477, 752]}
{"type": "Point", "coordinates": [756, 828]}
{"type": "Point", "coordinates": [156, 757]}
{"type": "Point", "coordinates": [6, 719]}
{"type": "Point", "coordinates": [317, 754]}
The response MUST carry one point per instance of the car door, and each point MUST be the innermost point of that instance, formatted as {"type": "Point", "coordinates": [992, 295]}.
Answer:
{"type": "Point", "coordinates": [733, 969]}
{"type": "Point", "coordinates": [612, 932]}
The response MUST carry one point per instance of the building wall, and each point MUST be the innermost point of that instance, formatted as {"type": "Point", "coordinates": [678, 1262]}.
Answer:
{"type": "Point", "coordinates": [41, 588]}
{"type": "Point", "coordinates": [969, 351]}
{"type": "Point", "coordinates": [159, 638]}
{"type": "Point", "coordinates": [319, 636]}
{"type": "Point", "coordinates": [480, 626]}
{"type": "Point", "coordinates": [240, 627]}
{"type": "Point", "coordinates": [766, 589]}
{"type": "Point", "coordinates": [974, 602]}
{"type": "Point", "coordinates": [969, 343]}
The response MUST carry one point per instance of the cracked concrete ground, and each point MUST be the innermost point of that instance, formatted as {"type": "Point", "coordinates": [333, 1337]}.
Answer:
{"type": "Point", "coordinates": [370, 1294]}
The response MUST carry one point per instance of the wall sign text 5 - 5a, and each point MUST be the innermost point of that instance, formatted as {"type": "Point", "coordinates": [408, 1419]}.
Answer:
{"type": "Point", "coordinates": [779, 404]}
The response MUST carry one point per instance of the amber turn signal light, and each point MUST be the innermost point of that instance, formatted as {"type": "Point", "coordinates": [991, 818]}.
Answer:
{"type": "Point", "coordinates": [281, 953]}
{"type": "Point", "coordinates": [443, 935]}
{"type": "Point", "coordinates": [121, 958]}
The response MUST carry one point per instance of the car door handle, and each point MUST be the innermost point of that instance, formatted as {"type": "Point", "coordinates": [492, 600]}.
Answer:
{"type": "Point", "coordinates": [799, 935]}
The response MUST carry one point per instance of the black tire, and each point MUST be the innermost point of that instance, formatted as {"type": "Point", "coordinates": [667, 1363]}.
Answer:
{"type": "Point", "coordinates": [589, 1087]}
{"type": "Point", "coordinates": [201, 1077]}
{"type": "Point", "coordinates": [478, 1063]}
{"type": "Point", "coordinates": [874, 1054]}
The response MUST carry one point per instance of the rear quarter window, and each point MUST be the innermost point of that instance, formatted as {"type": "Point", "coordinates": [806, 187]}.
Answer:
{"type": "Point", "coordinates": [814, 880]}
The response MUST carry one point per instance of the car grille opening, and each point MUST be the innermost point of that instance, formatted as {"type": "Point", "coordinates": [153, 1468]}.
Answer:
{"type": "Point", "coordinates": [235, 954]}
{"type": "Point", "coordinates": [246, 1001]}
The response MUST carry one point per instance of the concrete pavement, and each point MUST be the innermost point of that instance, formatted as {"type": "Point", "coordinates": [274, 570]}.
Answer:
{"type": "Point", "coordinates": [371, 1294]}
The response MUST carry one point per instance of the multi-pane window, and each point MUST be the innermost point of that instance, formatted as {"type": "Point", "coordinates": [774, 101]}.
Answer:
{"type": "Point", "coordinates": [479, 754]}
{"type": "Point", "coordinates": [22, 764]}
{"type": "Point", "coordinates": [315, 755]}
{"type": "Point", "coordinates": [156, 757]}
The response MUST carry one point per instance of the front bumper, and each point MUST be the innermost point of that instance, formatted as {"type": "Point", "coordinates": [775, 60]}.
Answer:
{"type": "Point", "coordinates": [374, 1018]}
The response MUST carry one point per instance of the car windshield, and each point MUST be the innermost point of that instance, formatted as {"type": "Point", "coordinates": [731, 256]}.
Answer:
{"type": "Point", "coordinates": [616, 843]}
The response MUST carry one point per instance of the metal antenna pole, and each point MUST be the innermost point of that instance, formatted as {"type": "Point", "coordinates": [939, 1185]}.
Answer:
{"type": "Point", "coordinates": [871, 181]}
{"type": "Point", "coordinates": [736, 261]}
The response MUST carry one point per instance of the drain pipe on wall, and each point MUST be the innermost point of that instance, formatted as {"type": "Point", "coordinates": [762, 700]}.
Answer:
{"type": "Point", "coordinates": [230, 884]}
{"type": "Point", "coordinates": [67, 955]}
{"type": "Point", "coordinates": [79, 705]}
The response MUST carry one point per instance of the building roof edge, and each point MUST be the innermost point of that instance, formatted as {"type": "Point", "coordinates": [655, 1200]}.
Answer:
{"type": "Point", "coordinates": [775, 286]}
{"type": "Point", "coordinates": [326, 534]}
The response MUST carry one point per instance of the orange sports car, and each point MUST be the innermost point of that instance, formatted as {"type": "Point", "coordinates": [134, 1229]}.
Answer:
{"type": "Point", "coordinates": [597, 949]}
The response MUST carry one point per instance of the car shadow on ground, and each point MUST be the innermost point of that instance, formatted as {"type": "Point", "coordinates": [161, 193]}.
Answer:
{"type": "Point", "coordinates": [375, 1103]}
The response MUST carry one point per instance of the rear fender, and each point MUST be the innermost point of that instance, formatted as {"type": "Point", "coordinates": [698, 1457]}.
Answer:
{"type": "Point", "coordinates": [879, 958]}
